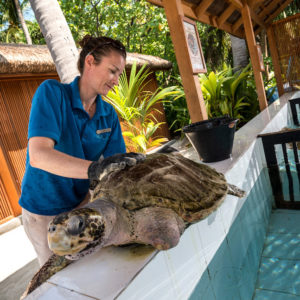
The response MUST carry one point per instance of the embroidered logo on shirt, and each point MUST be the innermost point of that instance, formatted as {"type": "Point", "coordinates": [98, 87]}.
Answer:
{"type": "Point", "coordinates": [99, 131]}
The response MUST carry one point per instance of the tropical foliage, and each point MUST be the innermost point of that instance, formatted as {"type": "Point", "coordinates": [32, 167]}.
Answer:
{"type": "Point", "coordinates": [136, 106]}
{"type": "Point", "coordinates": [10, 26]}
{"type": "Point", "coordinates": [224, 92]}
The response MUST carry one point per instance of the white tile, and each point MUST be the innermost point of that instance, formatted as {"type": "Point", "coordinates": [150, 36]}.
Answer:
{"type": "Point", "coordinates": [48, 291]}
{"type": "Point", "coordinates": [156, 281]}
{"type": "Point", "coordinates": [212, 233]}
{"type": "Point", "coordinates": [186, 262]}
{"type": "Point", "coordinates": [229, 210]}
{"type": "Point", "coordinates": [112, 267]}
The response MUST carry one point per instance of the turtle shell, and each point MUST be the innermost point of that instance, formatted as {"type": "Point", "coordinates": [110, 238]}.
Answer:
{"type": "Point", "coordinates": [193, 190]}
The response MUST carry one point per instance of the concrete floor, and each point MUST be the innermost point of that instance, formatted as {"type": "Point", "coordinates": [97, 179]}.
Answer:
{"type": "Point", "coordinates": [17, 260]}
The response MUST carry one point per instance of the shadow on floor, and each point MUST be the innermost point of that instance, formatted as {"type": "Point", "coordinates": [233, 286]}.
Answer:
{"type": "Point", "coordinates": [13, 286]}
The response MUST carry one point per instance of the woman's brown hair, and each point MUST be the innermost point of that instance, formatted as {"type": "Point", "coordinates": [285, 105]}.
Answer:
{"type": "Point", "coordinates": [98, 47]}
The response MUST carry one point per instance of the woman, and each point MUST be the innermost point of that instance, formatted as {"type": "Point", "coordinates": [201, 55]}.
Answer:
{"type": "Point", "coordinates": [70, 128]}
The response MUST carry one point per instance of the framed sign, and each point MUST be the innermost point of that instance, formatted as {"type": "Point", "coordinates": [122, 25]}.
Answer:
{"type": "Point", "coordinates": [261, 58]}
{"type": "Point", "coordinates": [194, 46]}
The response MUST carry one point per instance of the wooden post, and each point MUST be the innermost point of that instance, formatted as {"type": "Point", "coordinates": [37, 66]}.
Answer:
{"type": "Point", "coordinates": [191, 84]}
{"type": "Point", "coordinates": [254, 56]}
{"type": "Point", "coordinates": [275, 59]}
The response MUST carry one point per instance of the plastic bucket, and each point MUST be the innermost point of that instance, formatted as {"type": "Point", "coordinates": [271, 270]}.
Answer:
{"type": "Point", "coordinates": [213, 138]}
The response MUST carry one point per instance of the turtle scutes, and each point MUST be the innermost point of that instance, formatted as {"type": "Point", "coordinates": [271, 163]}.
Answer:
{"type": "Point", "coordinates": [191, 189]}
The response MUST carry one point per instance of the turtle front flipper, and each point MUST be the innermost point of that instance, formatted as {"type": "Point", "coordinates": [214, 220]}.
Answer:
{"type": "Point", "coordinates": [54, 264]}
{"type": "Point", "coordinates": [235, 191]}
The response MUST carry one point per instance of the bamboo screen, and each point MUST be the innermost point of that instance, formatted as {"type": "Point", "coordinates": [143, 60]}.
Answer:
{"type": "Point", "coordinates": [287, 36]}
{"type": "Point", "coordinates": [6, 211]}
{"type": "Point", "coordinates": [15, 102]}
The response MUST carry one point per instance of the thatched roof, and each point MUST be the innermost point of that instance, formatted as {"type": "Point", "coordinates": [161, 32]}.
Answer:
{"type": "Point", "coordinates": [19, 58]}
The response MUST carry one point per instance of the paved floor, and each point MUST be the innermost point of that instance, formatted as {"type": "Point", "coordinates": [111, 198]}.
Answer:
{"type": "Point", "coordinates": [18, 263]}
{"type": "Point", "coordinates": [279, 273]}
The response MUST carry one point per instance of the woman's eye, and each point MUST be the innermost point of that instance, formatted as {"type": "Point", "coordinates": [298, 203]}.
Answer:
{"type": "Point", "coordinates": [113, 72]}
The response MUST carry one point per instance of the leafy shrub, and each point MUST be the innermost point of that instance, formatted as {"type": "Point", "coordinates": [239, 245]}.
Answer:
{"type": "Point", "coordinates": [135, 107]}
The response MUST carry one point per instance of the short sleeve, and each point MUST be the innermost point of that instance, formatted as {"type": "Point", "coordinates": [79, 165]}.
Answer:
{"type": "Point", "coordinates": [116, 142]}
{"type": "Point", "coordinates": [46, 111]}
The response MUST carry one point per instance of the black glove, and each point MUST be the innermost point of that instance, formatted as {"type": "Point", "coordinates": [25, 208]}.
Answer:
{"type": "Point", "coordinates": [98, 169]}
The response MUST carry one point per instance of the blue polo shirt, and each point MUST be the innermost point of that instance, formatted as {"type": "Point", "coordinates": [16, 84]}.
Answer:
{"type": "Point", "coordinates": [57, 113]}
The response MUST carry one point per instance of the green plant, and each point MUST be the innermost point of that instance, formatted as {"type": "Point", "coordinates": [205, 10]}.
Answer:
{"type": "Point", "coordinates": [177, 113]}
{"type": "Point", "coordinates": [227, 93]}
{"type": "Point", "coordinates": [135, 107]}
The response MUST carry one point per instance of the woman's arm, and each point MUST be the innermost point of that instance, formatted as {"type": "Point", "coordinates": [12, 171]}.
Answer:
{"type": "Point", "coordinates": [43, 156]}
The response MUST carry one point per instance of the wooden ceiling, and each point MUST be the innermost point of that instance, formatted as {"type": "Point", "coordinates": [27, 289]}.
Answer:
{"type": "Point", "coordinates": [226, 14]}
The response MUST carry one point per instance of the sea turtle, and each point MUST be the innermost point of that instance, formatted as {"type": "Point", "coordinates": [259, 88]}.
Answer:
{"type": "Point", "coordinates": [149, 203]}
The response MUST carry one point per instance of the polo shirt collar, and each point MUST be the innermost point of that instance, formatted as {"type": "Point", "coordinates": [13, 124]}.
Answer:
{"type": "Point", "coordinates": [101, 109]}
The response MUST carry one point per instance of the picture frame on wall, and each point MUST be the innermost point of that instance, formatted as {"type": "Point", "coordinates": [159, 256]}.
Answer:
{"type": "Point", "coordinates": [194, 46]}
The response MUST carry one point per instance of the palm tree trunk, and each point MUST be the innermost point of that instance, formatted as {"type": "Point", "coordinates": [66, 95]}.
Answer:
{"type": "Point", "coordinates": [239, 52]}
{"type": "Point", "coordinates": [58, 37]}
{"type": "Point", "coordinates": [22, 21]}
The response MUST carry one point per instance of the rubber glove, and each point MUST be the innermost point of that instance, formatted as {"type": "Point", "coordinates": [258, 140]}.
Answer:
{"type": "Point", "coordinates": [98, 169]}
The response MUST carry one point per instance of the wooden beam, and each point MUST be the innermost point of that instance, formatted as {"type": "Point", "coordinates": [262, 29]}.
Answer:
{"type": "Point", "coordinates": [278, 11]}
{"type": "Point", "coordinates": [215, 22]}
{"type": "Point", "coordinates": [257, 19]}
{"type": "Point", "coordinates": [202, 7]}
{"type": "Point", "coordinates": [237, 24]}
{"type": "Point", "coordinates": [254, 56]}
{"type": "Point", "coordinates": [255, 3]}
{"type": "Point", "coordinates": [268, 8]}
{"type": "Point", "coordinates": [237, 3]}
{"type": "Point", "coordinates": [191, 83]}
{"type": "Point", "coordinates": [226, 14]}
{"type": "Point", "coordinates": [275, 59]}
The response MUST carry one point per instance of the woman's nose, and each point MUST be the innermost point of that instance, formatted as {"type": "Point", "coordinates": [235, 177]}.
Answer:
{"type": "Point", "coordinates": [116, 80]}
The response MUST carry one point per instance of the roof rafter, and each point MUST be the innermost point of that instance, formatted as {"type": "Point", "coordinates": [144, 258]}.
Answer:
{"type": "Point", "coordinates": [278, 11]}
{"type": "Point", "coordinates": [202, 7]}
{"type": "Point", "coordinates": [237, 3]}
{"type": "Point", "coordinates": [237, 24]}
{"type": "Point", "coordinates": [269, 8]}
{"type": "Point", "coordinates": [226, 14]}
{"type": "Point", "coordinates": [256, 18]}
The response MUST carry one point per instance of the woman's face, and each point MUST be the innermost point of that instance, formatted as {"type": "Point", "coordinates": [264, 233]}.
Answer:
{"type": "Point", "coordinates": [104, 76]}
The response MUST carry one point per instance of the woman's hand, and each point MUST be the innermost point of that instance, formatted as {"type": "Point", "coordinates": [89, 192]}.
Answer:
{"type": "Point", "coordinates": [98, 169]}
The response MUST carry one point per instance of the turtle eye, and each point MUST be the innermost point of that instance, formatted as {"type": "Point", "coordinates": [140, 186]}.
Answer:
{"type": "Point", "coordinates": [75, 225]}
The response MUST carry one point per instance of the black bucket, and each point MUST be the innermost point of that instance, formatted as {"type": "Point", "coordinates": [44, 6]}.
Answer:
{"type": "Point", "coordinates": [213, 138]}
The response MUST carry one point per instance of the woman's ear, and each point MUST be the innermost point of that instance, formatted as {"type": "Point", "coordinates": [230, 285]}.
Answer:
{"type": "Point", "coordinates": [89, 60]}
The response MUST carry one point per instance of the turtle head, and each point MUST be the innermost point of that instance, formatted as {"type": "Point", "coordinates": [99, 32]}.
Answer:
{"type": "Point", "coordinates": [76, 233]}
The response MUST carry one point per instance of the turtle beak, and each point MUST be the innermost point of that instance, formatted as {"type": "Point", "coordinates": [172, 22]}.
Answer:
{"type": "Point", "coordinates": [60, 242]}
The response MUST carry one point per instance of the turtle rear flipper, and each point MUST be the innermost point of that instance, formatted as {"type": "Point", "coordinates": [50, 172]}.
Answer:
{"type": "Point", "coordinates": [235, 191]}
